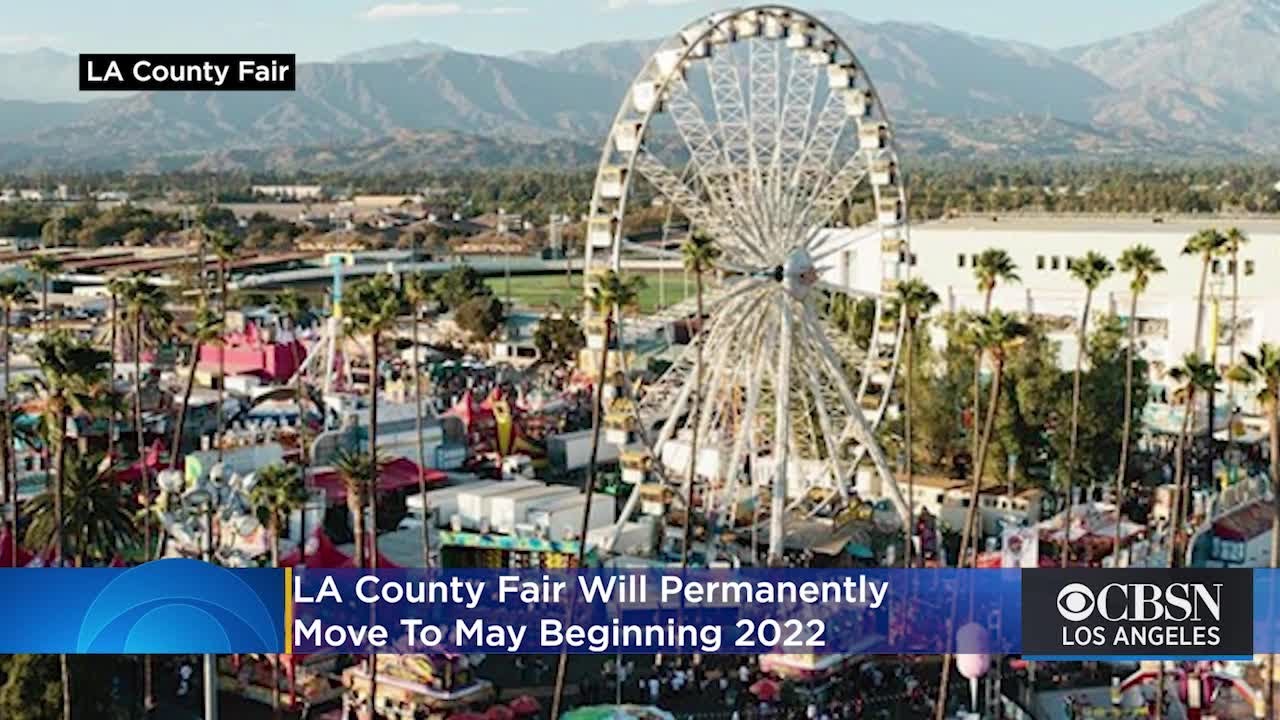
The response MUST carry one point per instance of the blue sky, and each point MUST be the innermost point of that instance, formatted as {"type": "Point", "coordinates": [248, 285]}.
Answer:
{"type": "Point", "coordinates": [323, 29]}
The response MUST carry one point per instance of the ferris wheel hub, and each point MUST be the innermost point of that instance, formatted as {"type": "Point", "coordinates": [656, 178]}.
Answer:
{"type": "Point", "coordinates": [799, 274]}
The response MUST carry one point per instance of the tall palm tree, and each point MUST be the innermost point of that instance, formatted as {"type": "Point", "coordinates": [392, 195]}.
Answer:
{"type": "Point", "coordinates": [1090, 270]}
{"type": "Point", "coordinates": [420, 291]}
{"type": "Point", "coordinates": [46, 266]}
{"type": "Point", "coordinates": [1261, 369]}
{"type": "Point", "coordinates": [996, 333]}
{"type": "Point", "coordinates": [359, 471]}
{"type": "Point", "coordinates": [296, 308]}
{"type": "Point", "coordinates": [71, 380]}
{"type": "Point", "coordinates": [1236, 239]}
{"type": "Point", "coordinates": [12, 294]}
{"type": "Point", "coordinates": [610, 295]}
{"type": "Point", "coordinates": [226, 247]}
{"type": "Point", "coordinates": [276, 495]}
{"type": "Point", "coordinates": [699, 253]}
{"type": "Point", "coordinates": [994, 266]}
{"type": "Point", "coordinates": [913, 299]}
{"type": "Point", "coordinates": [370, 309]}
{"type": "Point", "coordinates": [1193, 376]}
{"type": "Point", "coordinates": [1207, 245]}
{"type": "Point", "coordinates": [96, 515]}
{"type": "Point", "coordinates": [146, 312]}
{"type": "Point", "coordinates": [115, 288]}
{"type": "Point", "coordinates": [204, 329]}
{"type": "Point", "coordinates": [1141, 263]}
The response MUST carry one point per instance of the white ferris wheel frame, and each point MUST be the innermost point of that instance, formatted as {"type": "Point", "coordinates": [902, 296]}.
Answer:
{"type": "Point", "coordinates": [744, 202]}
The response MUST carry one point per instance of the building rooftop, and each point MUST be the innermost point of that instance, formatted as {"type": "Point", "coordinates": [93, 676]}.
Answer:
{"type": "Point", "coordinates": [1182, 224]}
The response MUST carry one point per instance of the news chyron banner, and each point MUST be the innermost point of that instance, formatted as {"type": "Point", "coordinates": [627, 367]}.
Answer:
{"type": "Point", "coordinates": [185, 606]}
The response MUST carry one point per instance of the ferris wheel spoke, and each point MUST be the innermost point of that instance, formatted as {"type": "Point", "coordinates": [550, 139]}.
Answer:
{"type": "Point", "coordinates": [814, 167]}
{"type": "Point", "coordinates": [782, 439]}
{"type": "Point", "coordinates": [713, 172]}
{"type": "Point", "coordinates": [731, 111]}
{"type": "Point", "coordinates": [829, 435]}
{"type": "Point", "coordinates": [747, 420]}
{"type": "Point", "coordinates": [793, 129]}
{"type": "Point", "coordinates": [766, 56]}
{"type": "Point", "coordinates": [857, 427]}
{"type": "Point", "coordinates": [834, 193]}
{"type": "Point", "coordinates": [677, 256]}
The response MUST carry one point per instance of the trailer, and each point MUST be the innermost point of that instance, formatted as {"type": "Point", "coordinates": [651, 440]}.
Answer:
{"type": "Point", "coordinates": [561, 518]}
{"type": "Point", "coordinates": [444, 501]}
{"type": "Point", "coordinates": [507, 511]}
{"type": "Point", "coordinates": [474, 506]}
{"type": "Point", "coordinates": [568, 452]}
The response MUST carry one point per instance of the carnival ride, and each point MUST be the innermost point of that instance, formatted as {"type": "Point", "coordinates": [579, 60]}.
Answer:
{"type": "Point", "coordinates": [779, 127]}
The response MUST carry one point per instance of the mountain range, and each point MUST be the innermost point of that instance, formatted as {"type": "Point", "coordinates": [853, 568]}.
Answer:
{"type": "Point", "coordinates": [1200, 85]}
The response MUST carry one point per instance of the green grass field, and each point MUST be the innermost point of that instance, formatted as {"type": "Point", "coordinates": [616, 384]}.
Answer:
{"type": "Point", "coordinates": [541, 291]}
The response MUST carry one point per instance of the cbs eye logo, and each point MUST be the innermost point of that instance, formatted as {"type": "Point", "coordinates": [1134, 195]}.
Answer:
{"type": "Point", "coordinates": [178, 606]}
{"type": "Point", "coordinates": [1075, 602]}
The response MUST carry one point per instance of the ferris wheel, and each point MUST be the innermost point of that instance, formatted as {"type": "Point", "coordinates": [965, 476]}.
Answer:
{"type": "Point", "coordinates": [759, 127]}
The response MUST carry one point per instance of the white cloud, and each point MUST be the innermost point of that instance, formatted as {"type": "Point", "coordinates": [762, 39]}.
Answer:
{"type": "Point", "coordinates": [389, 11]}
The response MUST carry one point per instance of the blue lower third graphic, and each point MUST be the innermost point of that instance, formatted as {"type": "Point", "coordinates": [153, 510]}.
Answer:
{"type": "Point", "coordinates": [162, 607]}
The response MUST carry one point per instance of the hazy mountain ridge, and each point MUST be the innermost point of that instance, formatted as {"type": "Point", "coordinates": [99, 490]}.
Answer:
{"type": "Point", "coordinates": [1186, 87]}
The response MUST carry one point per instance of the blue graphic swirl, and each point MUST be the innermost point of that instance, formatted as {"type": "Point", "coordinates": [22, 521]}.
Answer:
{"type": "Point", "coordinates": [173, 606]}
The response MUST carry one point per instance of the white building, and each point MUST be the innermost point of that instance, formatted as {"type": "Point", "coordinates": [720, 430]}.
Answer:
{"type": "Point", "coordinates": [289, 192]}
{"type": "Point", "coordinates": [943, 254]}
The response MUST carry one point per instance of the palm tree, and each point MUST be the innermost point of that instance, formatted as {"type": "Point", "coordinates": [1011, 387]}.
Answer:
{"type": "Point", "coordinates": [1091, 270]}
{"type": "Point", "coordinates": [1142, 263]}
{"type": "Point", "coordinates": [72, 377]}
{"type": "Point", "coordinates": [1193, 377]}
{"type": "Point", "coordinates": [994, 266]}
{"type": "Point", "coordinates": [1207, 244]}
{"type": "Point", "coordinates": [46, 266]}
{"type": "Point", "coordinates": [359, 472]}
{"type": "Point", "coordinates": [421, 293]}
{"type": "Point", "coordinates": [96, 514]}
{"type": "Point", "coordinates": [914, 299]}
{"type": "Point", "coordinates": [699, 253]}
{"type": "Point", "coordinates": [1262, 370]}
{"type": "Point", "coordinates": [296, 308]}
{"type": "Point", "coordinates": [370, 309]}
{"type": "Point", "coordinates": [115, 288]}
{"type": "Point", "coordinates": [145, 311]}
{"type": "Point", "coordinates": [225, 247]}
{"type": "Point", "coordinates": [276, 495]}
{"type": "Point", "coordinates": [205, 329]}
{"type": "Point", "coordinates": [1236, 239]}
{"type": "Point", "coordinates": [12, 294]}
{"type": "Point", "coordinates": [995, 333]}
{"type": "Point", "coordinates": [610, 295]}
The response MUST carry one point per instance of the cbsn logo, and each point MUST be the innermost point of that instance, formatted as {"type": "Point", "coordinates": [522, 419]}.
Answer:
{"type": "Point", "coordinates": [1142, 603]}
{"type": "Point", "coordinates": [1136, 612]}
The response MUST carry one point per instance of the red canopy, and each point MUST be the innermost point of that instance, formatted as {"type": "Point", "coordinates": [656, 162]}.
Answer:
{"type": "Point", "coordinates": [765, 689]}
{"type": "Point", "coordinates": [322, 554]}
{"type": "Point", "coordinates": [6, 551]}
{"type": "Point", "coordinates": [155, 462]}
{"type": "Point", "coordinates": [500, 712]}
{"type": "Point", "coordinates": [396, 475]}
{"type": "Point", "coordinates": [526, 705]}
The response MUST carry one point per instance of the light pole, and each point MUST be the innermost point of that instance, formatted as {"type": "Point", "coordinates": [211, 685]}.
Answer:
{"type": "Point", "coordinates": [194, 511]}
